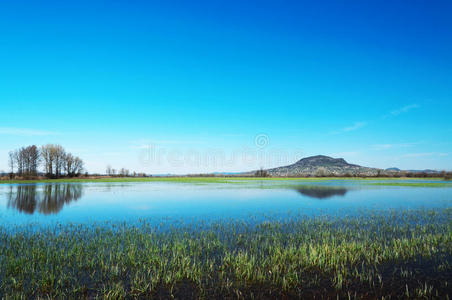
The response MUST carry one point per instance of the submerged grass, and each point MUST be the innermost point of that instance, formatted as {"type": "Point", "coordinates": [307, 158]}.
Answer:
{"type": "Point", "coordinates": [395, 254]}
{"type": "Point", "coordinates": [414, 184]}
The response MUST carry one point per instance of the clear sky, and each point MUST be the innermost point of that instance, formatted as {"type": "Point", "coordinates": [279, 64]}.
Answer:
{"type": "Point", "coordinates": [199, 86]}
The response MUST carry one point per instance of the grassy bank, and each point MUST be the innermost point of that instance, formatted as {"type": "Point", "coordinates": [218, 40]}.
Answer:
{"type": "Point", "coordinates": [184, 179]}
{"type": "Point", "coordinates": [374, 255]}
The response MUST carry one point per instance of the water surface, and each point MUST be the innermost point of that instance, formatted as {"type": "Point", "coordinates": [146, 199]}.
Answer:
{"type": "Point", "coordinates": [97, 202]}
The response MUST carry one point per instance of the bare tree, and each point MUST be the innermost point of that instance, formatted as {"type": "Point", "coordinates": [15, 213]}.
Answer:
{"type": "Point", "coordinates": [68, 161]}
{"type": "Point", "coordinates": [108, 170]}
{"type": "Point", "coordinates": [77, 166]}
{"type": "Point", "coordinates": [47, 159]}
{"type": "Point", "coordinates": [124, 172]}
{"type": "Point", "coordinates": [32, 159]}
{"type": "Point", "coordinates": [69, 164]}
{"type": "Point", "coordinates": [20, 161]}
{"type": "Point", "coordinates": [12, 161]}
{"type": "Point", "coordinates": [59, 155]}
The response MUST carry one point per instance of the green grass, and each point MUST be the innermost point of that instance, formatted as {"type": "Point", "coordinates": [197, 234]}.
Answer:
{"type": "Point", "coordinates": [394, 254]}
{"type": "Point", "coordinates": [414, 184]}
{"type": "Point", "coordinates": [132, 179]}
{"type": "Point", "coordinates": [209, 179]}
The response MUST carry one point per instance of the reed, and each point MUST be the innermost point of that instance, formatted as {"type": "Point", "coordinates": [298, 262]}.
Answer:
{"type": "Point", "coordinates": [373, 254]}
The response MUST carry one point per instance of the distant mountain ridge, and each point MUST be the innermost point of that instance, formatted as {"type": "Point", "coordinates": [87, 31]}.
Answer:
{"type": "Point", "coordinates": [321, 165]}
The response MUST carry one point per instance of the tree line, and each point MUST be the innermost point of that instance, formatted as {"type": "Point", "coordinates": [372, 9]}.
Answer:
{"type": "Point", "coordinates": [123, 172]}
{"type": "Point", "coordinates": [56, 162]}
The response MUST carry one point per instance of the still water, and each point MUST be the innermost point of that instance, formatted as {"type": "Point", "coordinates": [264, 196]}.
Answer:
{"type": "Point", "coordinates": [99, 202]}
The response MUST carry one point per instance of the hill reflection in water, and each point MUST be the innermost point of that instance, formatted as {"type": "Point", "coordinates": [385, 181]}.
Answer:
{"type": "Point", "coordinates": [46, 199]}
{"type": "Point", "coordinates": [321, 192]}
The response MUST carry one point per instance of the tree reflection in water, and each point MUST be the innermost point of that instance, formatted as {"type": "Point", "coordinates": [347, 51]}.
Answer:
{"type": "Point", "coordinates": [46, 199]}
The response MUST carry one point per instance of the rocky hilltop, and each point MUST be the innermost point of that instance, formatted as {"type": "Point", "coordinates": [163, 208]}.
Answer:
{"type": "Point", "coordinates": [322, 165]}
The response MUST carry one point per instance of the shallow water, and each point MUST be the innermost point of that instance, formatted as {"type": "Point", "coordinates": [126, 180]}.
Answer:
{"type": "Point", "coordinates": [99, 202]}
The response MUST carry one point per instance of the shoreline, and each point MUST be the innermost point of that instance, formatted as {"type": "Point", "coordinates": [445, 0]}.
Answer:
{"type": "Point", "coordinates": [207, 179]}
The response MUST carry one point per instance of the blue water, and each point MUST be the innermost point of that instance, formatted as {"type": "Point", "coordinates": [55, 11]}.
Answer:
{"type": "Point", "coordinates": [99, 202]}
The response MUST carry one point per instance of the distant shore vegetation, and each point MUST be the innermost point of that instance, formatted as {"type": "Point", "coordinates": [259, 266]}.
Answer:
{"type": "Point", "coordinates": [52, 161]}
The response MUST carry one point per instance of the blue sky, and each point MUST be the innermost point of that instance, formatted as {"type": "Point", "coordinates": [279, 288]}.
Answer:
{"type": "Point", "coordinates": [200, 86]}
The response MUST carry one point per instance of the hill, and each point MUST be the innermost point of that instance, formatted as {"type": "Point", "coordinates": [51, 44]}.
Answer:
{"type": "Point", "coordinates": [322, 165]}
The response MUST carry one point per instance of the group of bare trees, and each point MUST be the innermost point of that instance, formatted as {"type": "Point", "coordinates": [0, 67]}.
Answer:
{"type": "Point", "coordinates": [25, 160]}
{"type": "Point", "coordinates": [110, 171]}
{"type": "Point", "coordinates": [123, 172]}
{"type": "Point", "coordinates": [54, 159]}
